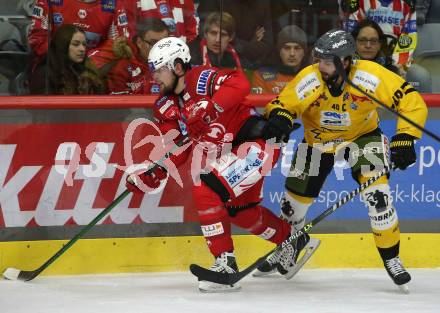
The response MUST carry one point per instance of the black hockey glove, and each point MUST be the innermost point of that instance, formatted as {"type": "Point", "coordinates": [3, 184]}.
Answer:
{"type": "Point", "coordinates": [279, 125]}
{"type": "Point", "coordinates": [402, 149]}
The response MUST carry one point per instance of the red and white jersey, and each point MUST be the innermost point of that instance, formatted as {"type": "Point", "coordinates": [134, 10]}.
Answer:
{"type": "Point", "coordinates": [124, 76]}
{"type": "Point", "coordinates": [179, 15]}
{"type": "Point", "coordinates": [395, 17]}
{"type": "Point", "coordinates": [227, 89]}
{"type": "Point", "coordinates": [168, 119]}
{"type": "Point", "coordinates": [100, 20]}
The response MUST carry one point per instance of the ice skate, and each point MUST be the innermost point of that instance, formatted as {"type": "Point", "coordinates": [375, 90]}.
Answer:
{"type": "Point", "coordinates": [308, 250]}
{"type": "Point", "coordinates": [223, 263]}
{"type": "Point", "coordinates": [289, 255]}
{"type": "Point", "coordinates": [269, 266]}
{"type": "Point", "coordinates": [271, 263]}
{"type": "Point", "coordinates": [398, 273]}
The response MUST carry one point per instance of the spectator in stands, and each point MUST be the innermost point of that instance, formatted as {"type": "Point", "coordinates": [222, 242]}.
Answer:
{"type": "Point", "coordinates": [289, 59]}
{"type": "Point", "coordinates": [179, 15]}
{"type": "Point", "coordinates": [100, 19]}
{"type": "Point", "coordinates": [66, 70]}
{"type": "Point", "coordinates": [215, 48]}
{"type": "Point", "coordinates": [253, 40]}
{"type": "Point", "coordinates": [371, 44]}
{"type": "Point", "coordinates": [397, 18]}
{"type": "Point", "coordinates": [124, 63]}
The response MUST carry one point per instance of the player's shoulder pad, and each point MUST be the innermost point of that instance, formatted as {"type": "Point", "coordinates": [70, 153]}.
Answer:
{"type": "Point", "coordinates": [166, 107]}
{"type": "Point", "coordinates": [349, 6]}
{"type": "Point", "coordinates": [307, 82]}
{"type": "Point", "coordinates": [202, 80]}
{"type": "Point", "coordinates": [367, 64]}
{"type": "Point", "coordinates": [368, 74]}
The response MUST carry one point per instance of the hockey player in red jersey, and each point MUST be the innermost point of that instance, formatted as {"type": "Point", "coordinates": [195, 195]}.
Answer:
{"type": "Point", "coordinates": [100, 20]}
{"type": "Point", "coordinates": [209, 106]}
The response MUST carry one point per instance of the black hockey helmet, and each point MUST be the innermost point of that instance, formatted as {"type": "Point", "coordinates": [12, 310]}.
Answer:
{"type": "Point", "coordinates": [334, 43]}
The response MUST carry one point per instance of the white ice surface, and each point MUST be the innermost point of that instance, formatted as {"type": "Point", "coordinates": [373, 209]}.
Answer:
{"type": "Point", "coordinates": [317, 291]}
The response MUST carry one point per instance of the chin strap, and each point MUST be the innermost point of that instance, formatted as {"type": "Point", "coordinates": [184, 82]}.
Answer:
{"type": "Point", "coordinates": [176, 80]}
{"type": "Point", "coordinates": [177, 77]}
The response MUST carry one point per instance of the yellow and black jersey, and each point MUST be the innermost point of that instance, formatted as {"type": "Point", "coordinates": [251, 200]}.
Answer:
{"type": "Point", "coordinates": [330, 120]}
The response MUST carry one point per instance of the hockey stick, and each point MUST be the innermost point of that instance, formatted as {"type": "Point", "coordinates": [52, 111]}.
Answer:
{"type": "Point", "coordinates": [340, 68]}
{"type": "Point", "coordinates": [16, 274]}
{"type": "Point", "coordinates": [232, 278]}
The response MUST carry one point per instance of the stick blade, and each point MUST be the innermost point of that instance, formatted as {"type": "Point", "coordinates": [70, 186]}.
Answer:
{"type": "Point", "coordinates": [225, 278]}
{"type": "Point", "coordinates": [205, 274]}
{"type": "Point", "coordinates": [15, 274]}
{"type": "Point", "coordinates": [11, 273]}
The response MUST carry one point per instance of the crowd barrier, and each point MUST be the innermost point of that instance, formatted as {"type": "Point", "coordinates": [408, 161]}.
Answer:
{"type": "Point", "coordinates": [121, 102]}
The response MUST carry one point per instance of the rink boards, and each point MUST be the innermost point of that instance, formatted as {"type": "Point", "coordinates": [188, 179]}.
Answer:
{"type": "Point", "coordinates": [158, 254]}
{"type": "Point", "coordinates": [61, 179]}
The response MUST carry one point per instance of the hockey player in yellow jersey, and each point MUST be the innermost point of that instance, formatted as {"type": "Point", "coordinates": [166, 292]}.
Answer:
{"type": "Point", "coordinates": [341, 123]}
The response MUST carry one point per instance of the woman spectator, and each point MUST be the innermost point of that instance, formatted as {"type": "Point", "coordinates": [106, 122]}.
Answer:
{"type": "Point", "coordinates": [396, 18]}
{"type": "Point", "coordinates": [371, 44]}
{"type": "Point", "coordinates": [102, 20]}
{"type": "Point", "coordinates": [66, 70]}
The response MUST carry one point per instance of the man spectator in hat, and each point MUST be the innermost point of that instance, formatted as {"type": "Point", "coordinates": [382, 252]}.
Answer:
{"type": "Point", "coordinates": [290, 57]}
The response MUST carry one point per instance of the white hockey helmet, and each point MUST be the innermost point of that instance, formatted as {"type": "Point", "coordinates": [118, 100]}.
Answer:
{"type": "Point", "coordinates": [166, 51]}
